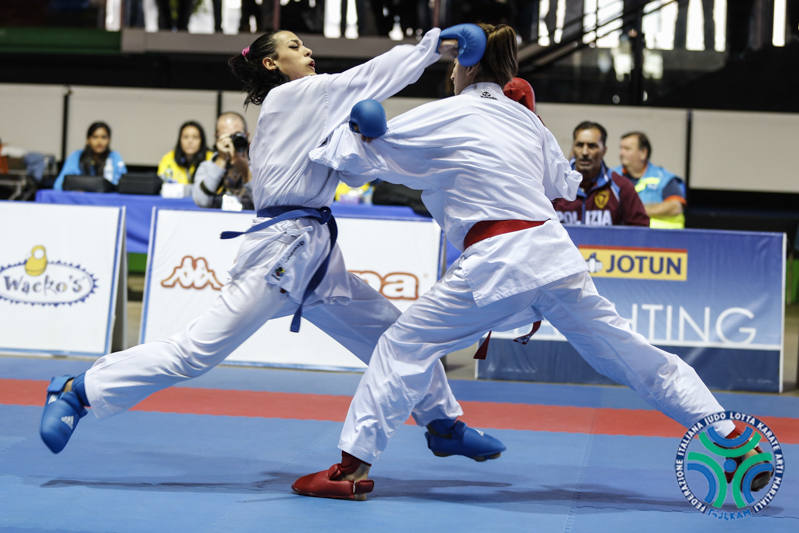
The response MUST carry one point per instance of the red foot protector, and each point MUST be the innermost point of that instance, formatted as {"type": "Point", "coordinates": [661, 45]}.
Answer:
{"type": "Point", "coordinates": [761, 480]}
{"type": "Point", "coordinates": [328, 484]}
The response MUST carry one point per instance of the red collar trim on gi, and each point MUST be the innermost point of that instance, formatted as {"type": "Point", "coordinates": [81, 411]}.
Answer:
{"type": "Point", "coordinates": [491, 228]}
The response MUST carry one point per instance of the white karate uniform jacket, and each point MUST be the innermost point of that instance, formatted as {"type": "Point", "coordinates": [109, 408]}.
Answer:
{"type": "Point", "coordinates": [439, 148]}
{"type": "Point", "coordinates": [283, 174]}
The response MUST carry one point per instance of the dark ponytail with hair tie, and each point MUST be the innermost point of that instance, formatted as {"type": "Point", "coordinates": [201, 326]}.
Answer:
{"type": "Point", "coordinates": [248, 67]}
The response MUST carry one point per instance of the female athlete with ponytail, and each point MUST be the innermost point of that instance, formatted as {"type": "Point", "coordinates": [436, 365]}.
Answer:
{"type": "Point", "coordinates": [488, 170]}
{"type": "Point", "coordinates": [288, 262]}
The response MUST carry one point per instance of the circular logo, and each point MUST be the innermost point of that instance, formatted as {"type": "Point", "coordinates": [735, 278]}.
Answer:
{"type": "Point", "coordinates": [729, 477]}
{"type": "Point", "coordinates": [40, 281]}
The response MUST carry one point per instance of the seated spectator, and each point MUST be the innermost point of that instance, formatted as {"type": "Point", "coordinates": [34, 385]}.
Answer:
{"type": "Point", "coordinates": [96, 159]}
{"type": "Point", "coordinates": [224, 181]}
{"type": "Point", "coordinates": [662, 193]}
{"type": "Point", "coordinates": [179, 165]}
{"type": "Point", "coordinates": [605, 198]}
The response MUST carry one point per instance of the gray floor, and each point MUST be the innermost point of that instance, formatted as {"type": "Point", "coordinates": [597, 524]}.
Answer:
{"type": "Point", "coordinates": [460, 365]}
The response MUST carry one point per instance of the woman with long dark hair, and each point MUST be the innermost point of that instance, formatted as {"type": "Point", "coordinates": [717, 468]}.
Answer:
{"type": "Point", "coordinates": [488, 170]}
{"type": "Point", "coordinates": [96, 159]}
{"type": "Point", "coordinates": [180, 164]}
{"type": "Point", "coordinates": [288, 263]}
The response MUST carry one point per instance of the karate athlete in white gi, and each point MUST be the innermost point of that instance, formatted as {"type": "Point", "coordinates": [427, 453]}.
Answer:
{"type": "Point", "coordinates": [276, 264]}
{"type": "Point", "coordinates": [488, 170]}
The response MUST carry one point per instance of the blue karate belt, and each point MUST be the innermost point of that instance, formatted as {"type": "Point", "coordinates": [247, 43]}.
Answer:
{"type": "Point", "coordinates": [286, 212]}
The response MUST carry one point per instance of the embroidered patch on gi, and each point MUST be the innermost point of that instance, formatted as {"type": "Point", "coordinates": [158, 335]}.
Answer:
{"type": "Point", "coordinates": [487, 94]}
{"type": "Point", "coordinates": [287, 260]}
{"type": "Point", "coordinates": [601, 199]}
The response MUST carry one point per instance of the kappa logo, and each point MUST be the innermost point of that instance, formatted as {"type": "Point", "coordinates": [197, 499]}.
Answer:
{"type": "Point", "coordinates": [394, 286]}
{"type": "Point", "coordinates": [68, 420]}
{"type": "Point", "coordinates": [487, 95]}
{"type": "Point", "coordinates": [192, 274]}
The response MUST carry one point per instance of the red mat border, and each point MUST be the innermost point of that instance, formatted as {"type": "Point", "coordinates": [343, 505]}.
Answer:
{"type": "Point", "coordinates": [325, 407]}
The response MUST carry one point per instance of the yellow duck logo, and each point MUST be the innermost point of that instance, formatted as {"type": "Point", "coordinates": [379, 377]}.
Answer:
{"type": "Point", "coordinates": [37, 263]}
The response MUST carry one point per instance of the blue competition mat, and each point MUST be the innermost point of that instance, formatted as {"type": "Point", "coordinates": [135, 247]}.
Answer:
{"type": "Point", "coordinates": [148, 471]}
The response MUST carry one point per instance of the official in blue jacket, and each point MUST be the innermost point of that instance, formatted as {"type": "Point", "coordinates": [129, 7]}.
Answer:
{"type": "Point", "coordinates": [96, 159]}
{"type": "Point", "coordinates": [662, 193]}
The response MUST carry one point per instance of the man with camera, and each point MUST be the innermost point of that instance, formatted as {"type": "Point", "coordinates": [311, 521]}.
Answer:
{"type": "Point", "coordinates": [225, 180]}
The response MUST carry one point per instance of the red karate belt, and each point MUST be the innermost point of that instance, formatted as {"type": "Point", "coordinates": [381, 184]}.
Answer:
{"type": "Point", "coordinates": [491, 228]}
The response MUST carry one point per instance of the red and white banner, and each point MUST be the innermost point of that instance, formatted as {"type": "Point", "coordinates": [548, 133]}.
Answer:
{"type": "Point", "coordinates": [59, 273]}
{"type": "Point", "coordinates": [188, 266]}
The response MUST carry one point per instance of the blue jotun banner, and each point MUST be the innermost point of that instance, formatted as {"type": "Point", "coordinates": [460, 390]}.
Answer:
{"type": "Point", "coordinates": [715, 298]}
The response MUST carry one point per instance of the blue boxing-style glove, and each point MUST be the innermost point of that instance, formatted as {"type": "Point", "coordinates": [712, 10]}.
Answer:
{"type": "Point", "coordinates": [370, 117]}
{"type": "Point", "coordinates": [471, 42]}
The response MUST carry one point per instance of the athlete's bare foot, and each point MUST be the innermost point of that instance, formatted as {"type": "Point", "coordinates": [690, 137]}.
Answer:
{"type": "Point", "coordinates": [360, 474]}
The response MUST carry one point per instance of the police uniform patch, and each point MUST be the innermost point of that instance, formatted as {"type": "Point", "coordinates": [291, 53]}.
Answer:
{"type": "Point", "coordinates": [601, 199]}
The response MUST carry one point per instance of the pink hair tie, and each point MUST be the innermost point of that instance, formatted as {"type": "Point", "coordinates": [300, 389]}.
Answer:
{"type": "Point", "coordinates": [245, 52]}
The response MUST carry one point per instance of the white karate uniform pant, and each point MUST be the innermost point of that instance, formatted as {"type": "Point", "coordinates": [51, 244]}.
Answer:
{"type": "Point", "coordinates": [447, 319]}
{"type": "Point", "coordinates": [120, 380]}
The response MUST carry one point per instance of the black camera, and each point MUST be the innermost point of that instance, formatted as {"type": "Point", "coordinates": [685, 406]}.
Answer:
{"type": "Point", "coordinates": [240, 142]}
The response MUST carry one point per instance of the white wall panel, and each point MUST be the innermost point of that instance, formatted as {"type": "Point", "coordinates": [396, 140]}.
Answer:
{"type": "Point", "coordinates": [745, 151]}
{"type": "Point", "coordinates": [398, 105]}
{"type": "Point", "coordinates": [731, 150]}
{"type": "Point", "coordinates": [31, 117]}
{"type": "Point", "coordinates": [234, 101]}
{"type": "Point", "coordinates": [144, 122]}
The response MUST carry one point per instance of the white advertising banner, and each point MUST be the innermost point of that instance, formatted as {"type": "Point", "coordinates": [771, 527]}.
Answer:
{"type": "Point", "coordinates": [59, 273]}
{"type": "Point", "coordinates": [188, 264]}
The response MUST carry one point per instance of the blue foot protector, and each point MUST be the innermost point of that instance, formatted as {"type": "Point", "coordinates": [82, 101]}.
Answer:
{"type": "Point", "coordinates": [453, 437]}
{"type": "Point", "coordinates": [61, 414]}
